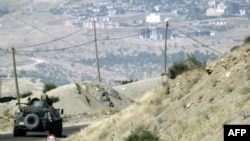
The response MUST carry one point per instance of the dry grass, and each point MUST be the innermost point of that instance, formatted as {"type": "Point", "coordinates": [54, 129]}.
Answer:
{"type": "Point", "coordinates": [119, 126]}
{"type": "Point", "coordinates": [6, 119]}
{"type": "Point", "coordinates": [196, 108]}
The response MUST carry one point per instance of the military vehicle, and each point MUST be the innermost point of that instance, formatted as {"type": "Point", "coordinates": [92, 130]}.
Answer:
{"type": "Point", "coordinates": [37, 116]}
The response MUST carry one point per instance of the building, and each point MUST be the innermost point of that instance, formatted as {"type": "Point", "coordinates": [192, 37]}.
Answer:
{"type": "Point", "coordinates": [153, 18]}
{"type": "Point", "coordinates": [153, 33]}
{"type": "Point", "coordinates": [216, 9]}
{"type": "Point", "coordinates": [101, 23]}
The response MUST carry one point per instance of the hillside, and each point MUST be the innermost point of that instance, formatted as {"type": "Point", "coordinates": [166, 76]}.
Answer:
{"type": "Point", "coordinates": [195, 109]}
{"type": "Point", "coordinates": [48, 49]}
{"type": "Point", "coordinates": [103, 100]}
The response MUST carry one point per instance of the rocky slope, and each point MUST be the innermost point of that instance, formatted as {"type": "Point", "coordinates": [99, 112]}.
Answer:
{"type": "Point", "coordinates": [197, 107]}
{"type": "Point", "coordinates": [83, 102]}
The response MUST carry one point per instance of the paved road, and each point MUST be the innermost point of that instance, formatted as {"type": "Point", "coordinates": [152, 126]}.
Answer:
{"type": "Point", "coordinates": [41, 136]}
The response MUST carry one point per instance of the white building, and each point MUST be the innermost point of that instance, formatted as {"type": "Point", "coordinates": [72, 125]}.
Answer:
{"type": "Point", "coordinates": [100, 23]}
{"type": "Point", "coordinates": [242, 12]}
{"type": "Point", "coordinates": [216, 10]}
{"type": "Point", "coordinates": [153, 18]}
{"type": "Point", "coordinates": [220, 8]}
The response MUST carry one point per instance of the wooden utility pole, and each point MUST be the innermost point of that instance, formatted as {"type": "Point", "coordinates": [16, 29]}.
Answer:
{"type": "Point", "coordinates": [14, 65]}
{"type": "Point", "coordinates": [0, 88]}
{"type": "Point", "coordinates": [96, 53]}
{"type": "Point", "coordinates": [165, 55]}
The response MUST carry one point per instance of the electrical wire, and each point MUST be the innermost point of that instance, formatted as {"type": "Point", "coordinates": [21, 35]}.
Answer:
{"type": "Point", "coordinates": [145, 25]}
{"type": "Point", "coordinates": [49, 50]}
{"type": "Point", "coordinates": [196, 40]}
{"type": "Point", "coordinates": [117, 38]}
{"type": "Point", "coordinates": [5, 51]}
{"type": "Point", "coordinates": [60, 38]}
{"type": "Point", "coordinates": [37, 28]}
{"type": "Point", "coordinates": [125, 37]}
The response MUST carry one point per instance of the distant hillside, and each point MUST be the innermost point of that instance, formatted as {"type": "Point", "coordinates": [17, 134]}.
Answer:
{"type": "Point", "coordinates": [89, 100]}
{"type": "Point", "coordinates": [13, 5]}
{"type": "Point", "coordinates": [195, 109]}
{"type": "Point", "coordinates": [50, 50]}
{"type": "Point", "coordinates": [7, 6]}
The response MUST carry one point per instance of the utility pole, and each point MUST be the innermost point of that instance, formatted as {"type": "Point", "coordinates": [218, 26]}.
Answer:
{"type": "Point", "coordinates": [0, 88]}
{"type": "Point", "coordinates": [14, 65]}
{"type": "Point", "coordinates": [165, 55]}
{"type": "Point", "coordinates": [96, 53]}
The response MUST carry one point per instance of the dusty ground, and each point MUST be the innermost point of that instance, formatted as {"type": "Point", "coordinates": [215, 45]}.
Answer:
{"type": "Point", "coordinates": [76, 109]}
{"type": "Point", "coordinates": [196, 108]}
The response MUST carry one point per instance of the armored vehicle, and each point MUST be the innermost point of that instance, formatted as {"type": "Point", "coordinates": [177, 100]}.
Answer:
{"type": "Point", "coordinates": [37, 116]}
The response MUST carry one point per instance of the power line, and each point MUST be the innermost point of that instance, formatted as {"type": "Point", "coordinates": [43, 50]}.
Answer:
{"type": "Point", "coordinates": [127, 26]}
{"type": "Point", "coordinates": [5, 51]}
{"type": "Point", "coordinates": [60, 38]}
{"type": "Point", "coordinates": [60, 48]}
{"type": "Point", "coordinates": [125, 37]}
{"type": "Point", "coordinates": [197, 41]}
{"type": "Point", "coordinates": [37, 28]}
{"type": "Point", "coordinates": [117, 38]}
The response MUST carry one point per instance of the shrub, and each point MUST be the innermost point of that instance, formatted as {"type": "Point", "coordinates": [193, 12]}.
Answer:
{"type": "Point", "coordinates": [214, 81]}
{"type": "Point", "coordinates": [234, 48]}
{"type": "Point", "coordinates": [26, 94]}
{"type": "Point", "coordinates": [211, 99]}
{"type": "Point", "coordinates": [6, 112]}
{"type": "Point", "coordinates": [245, 90]}
{"type": "Point", "coordinates": [193, 82]}
{"type": "Point", "coordinates": [248, 75]}
{"type": "Point", "coordinates": [167, 87]}
{"type": "Point", "coordinates": [193, 62]}
{"type": "Point", "coordinates": [189, 64]}
{"type": "Point", "coordinates": [247, 40]}
{"type": "Point", "coordinates": [140, 134]}
{"type": "Point", "coordinates": [177, 68]}
{"type": "Point", "coordinates": [49, 86]}
{"type": "Point", "coordinates": [191, 58]}
{"type": "Point", "coordinates": [54, 99]}
{"type": "Point", "coordinates": [229, 89]}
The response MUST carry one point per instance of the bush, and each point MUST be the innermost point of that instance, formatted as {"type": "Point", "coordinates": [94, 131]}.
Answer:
{"type": "Point", "coordinates": [167, 87]}
{"type": "Point", "coordinates": [142, 135]}
{"type": "Point", "coordinates": [177, 68]}
{"type": "Point", "coordinates": [54, 99]}
{"type": "Point", "coordinates": [245, 90]}
{"type": "Point", "coordinates": [189, 64]}
{"type": "Point", "coordinates": [48, 87]}
{"type": "Point", "coordinates": [26, 94]}
{"type": "Point", "coordinates": [193, 62]}
{"type": "Point", "coordinates": [247, 40]}
{"type": "Point", "coordinates": [6, 112]}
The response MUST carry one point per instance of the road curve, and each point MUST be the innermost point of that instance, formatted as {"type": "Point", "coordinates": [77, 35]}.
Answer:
{"type": "Point", "coordinates": [41, 136]}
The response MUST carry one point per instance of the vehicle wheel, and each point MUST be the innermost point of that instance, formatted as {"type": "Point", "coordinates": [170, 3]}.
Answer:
{"type": "Point", "coordinates": [19, 132]}
{"type": "Point", "coordinates": [56, 129]}
{"type": "Point", "coordinates": [15, 132]}
{"type": "Point", "coordinates": [23, 132]}
{"type": "Point", "coordinates": [31, 121]}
